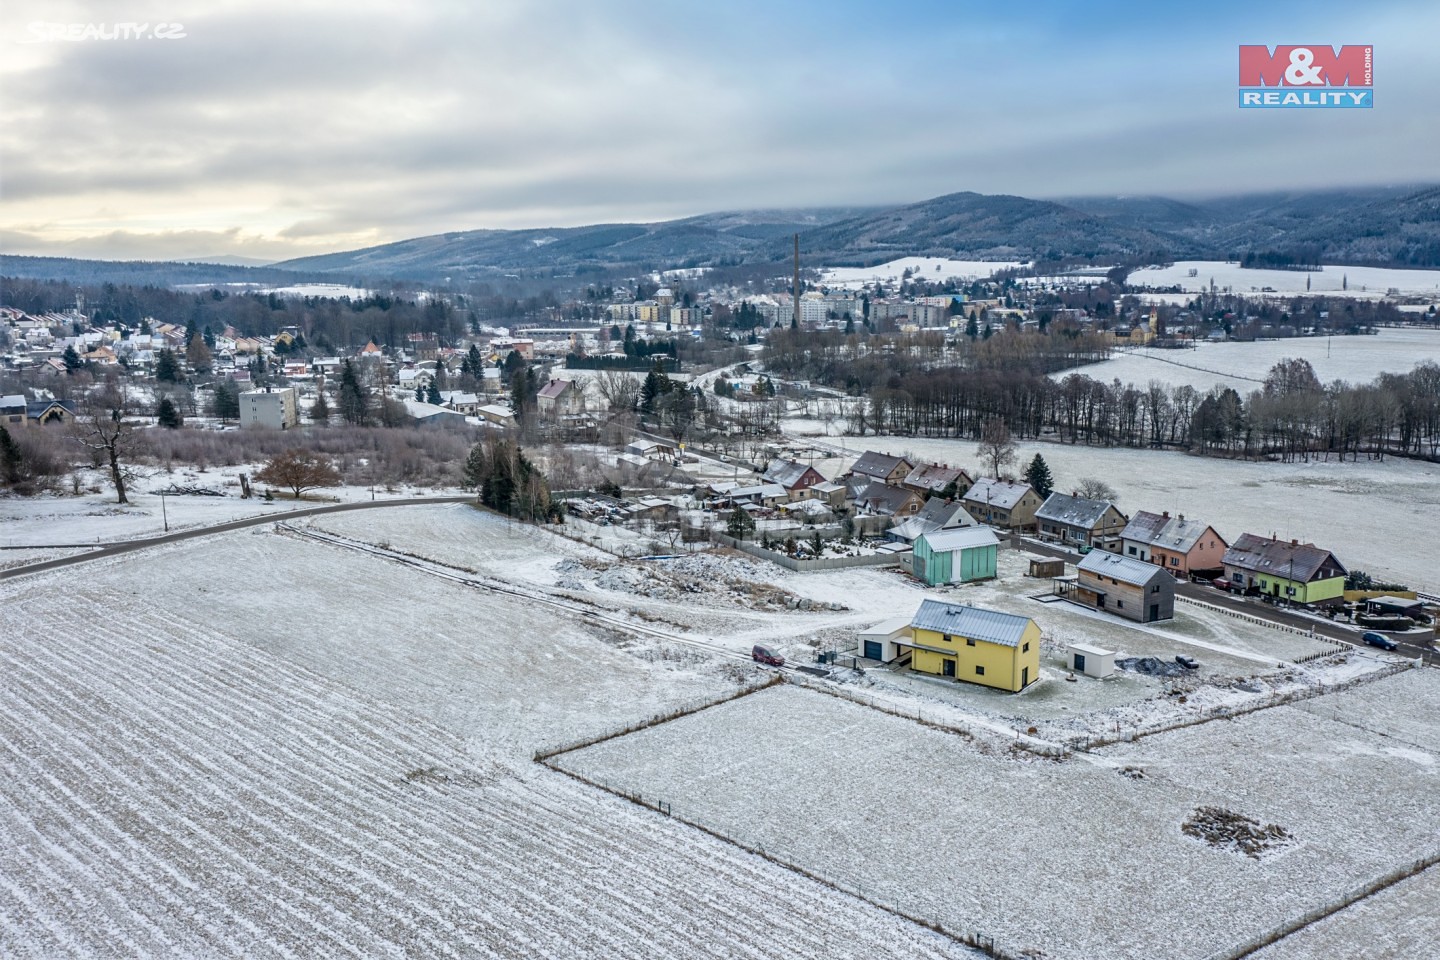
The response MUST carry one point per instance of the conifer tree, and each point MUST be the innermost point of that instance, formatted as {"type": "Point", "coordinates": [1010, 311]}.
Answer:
{"type": "Point", "coordinates": [1038, 476]}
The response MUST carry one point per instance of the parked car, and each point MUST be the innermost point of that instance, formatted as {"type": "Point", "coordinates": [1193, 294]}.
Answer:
{"type": "Point", "coordinates": [1378, 640]}
{"type": "Point", "coordinates": [1220, 583]}
{"type": "Point", "coordinates": [1189, 663]}
{"type": "Point", "coordinates": [766, 656]}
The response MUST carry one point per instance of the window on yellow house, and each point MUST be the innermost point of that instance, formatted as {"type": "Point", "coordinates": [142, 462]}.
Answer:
{"type": "Point", "coordinates": [979, 671]}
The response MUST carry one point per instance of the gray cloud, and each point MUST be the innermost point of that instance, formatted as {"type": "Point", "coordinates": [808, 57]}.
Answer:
{"type": "Point", "coordinates": [299, 128]}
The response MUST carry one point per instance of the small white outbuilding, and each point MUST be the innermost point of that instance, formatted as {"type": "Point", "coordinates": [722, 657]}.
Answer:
{"type": "Point", "coordinates": [1091, 661]}
{"type": "Point", "coordinates": [880, 641]}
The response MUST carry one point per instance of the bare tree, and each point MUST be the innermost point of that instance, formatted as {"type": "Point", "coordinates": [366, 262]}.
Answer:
{"type": "Point", "coordinates": [996, 448]}
{"type": "Point", "coordinates": [618, 389]}
{"type": "Point", "coordinates": [112, 442]}
{"type": "Point", "coordinates": [299, 470]}
{"type": "Point", "coordinates": [1093, 488]}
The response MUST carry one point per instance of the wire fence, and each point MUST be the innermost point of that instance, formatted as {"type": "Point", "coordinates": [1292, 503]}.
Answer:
{"type": "Point", "coordinates": [1093, 741]}
{"type": "Point", "coordinates": [878, 898]}
{"type": "Point", "coordinates": [1295, 924]}
{"type": "Point", "coordinates": [683, 710]}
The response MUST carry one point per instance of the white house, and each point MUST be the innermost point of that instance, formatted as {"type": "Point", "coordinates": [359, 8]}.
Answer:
{"type": "Point", "coordinates": [274, 408]}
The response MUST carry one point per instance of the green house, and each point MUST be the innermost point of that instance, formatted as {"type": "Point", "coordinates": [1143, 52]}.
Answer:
{"type": "Point", "coordinates": [955, 556]}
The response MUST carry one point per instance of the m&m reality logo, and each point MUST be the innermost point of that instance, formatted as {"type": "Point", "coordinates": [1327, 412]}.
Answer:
{"type": "Point", "coordinates": [1307, 76]}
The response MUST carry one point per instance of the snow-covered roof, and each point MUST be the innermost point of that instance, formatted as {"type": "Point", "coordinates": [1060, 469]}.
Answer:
{"type": "Point", "coordinates": [880, 497]}
{"type": "Point", "coordinates": [887, 628]}
{"type": "Point", "coordinates": [1163, 530]}
{"type": "Point", "coordinates": [1073, 511]}
{"type": "Point", "coordinates": [971, 622]}
{"type": "Point", "coordinates": [1125, 569]}
{"type": "Point", "coordinates": [787, 473]}
{"type": "Point", "coordinates": [1389, 601]}
{"type": "Point", "coordinates": [1296, 561]}
{"type": "Point", "coordinates": [424, 411]}
{"type": "Point", "coordinates": [765, 491]}
{"type": "Point", "coordinates": [877, 465]}
{"type": "Point", "coordinates": [554, 389]}
{"type": "Point", "coordinates": [945, 513]}
{"type": "Point", "coordinates": [911, 528]}
{"type": "Point", "coordinates": [996, 493]}
{"type": "Point", "coordinates": [961, 539]}
{"type": "Point", "coordinates": [933, 476]}
{"type": "Point", "coordinates": [1089, 651]}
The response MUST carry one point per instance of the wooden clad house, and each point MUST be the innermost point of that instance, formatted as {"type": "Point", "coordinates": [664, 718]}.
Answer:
{"type": "Point", "coordinates": [1124, 586]}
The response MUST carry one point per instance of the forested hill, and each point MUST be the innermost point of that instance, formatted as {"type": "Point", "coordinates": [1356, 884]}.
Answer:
{"type": "Point", "coordinates": [1396, 226]}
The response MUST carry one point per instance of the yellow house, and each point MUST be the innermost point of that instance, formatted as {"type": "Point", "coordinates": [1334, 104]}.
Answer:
{"type": "Point", "coordinates": [995, 649]}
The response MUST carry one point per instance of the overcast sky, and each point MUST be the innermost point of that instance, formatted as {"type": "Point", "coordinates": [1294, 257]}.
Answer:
{"type": "Point", "coordinates": [277, 129]}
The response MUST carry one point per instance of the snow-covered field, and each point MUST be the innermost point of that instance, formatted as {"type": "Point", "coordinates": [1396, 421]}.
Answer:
{"type": "Point", "coordinates": [1401, 921]}
{"type": "Point", "coordinates": [255, 745]}
{"type": "Point", "coordinates": [734, 601]}
{"type": "Point", "coordinates": [1356, 281]}
{"type": "Point", "coordinates": [1365, 512]}
{"type": "Point", "coordinates": [259, 744]}
{"type": "Point", "coordinates": [1243, 366]}
{"type": "Point", "coordinates": [1075, 858]}
{"type": "Point", "coordinates": [95, 518]}
{"type": "Point", "coordinates": [933, 269]}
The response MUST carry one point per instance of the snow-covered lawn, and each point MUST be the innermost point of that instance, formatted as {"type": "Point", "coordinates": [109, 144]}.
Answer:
{"type": "Point", "coordinates": [1401, 921]}
{"type": "Point", "coordinates": [1076, 858]}
{"type": "Point", "coordinates": [257, 745]}
{"type": "Point", "coordinates": [1243, 365]}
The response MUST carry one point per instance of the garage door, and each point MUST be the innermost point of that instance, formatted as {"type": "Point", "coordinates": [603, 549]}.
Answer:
{"type": "Point", "coordinates": [873, 650]}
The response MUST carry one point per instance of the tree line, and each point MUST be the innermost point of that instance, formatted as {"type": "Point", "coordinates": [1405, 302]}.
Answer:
{"type": "Point", "coordinates": [1292, 416]}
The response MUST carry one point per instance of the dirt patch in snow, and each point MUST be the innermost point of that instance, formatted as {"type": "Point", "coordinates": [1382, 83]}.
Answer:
{"type": "Point", "coordinates": [1228, 830]}
{"type": "Point", "coordinates": [719, 578]}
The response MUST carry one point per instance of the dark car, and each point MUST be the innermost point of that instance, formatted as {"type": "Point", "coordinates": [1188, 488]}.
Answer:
{"type": "Point", "coordinates": [766, 656]}
{"type": "Point", "coordinates": [1189, 663]}
{"type": "Point", "coordinates": [1378, 640]}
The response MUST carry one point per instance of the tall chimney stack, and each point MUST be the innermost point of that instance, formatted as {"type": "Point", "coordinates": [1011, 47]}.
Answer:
{"type": "Point", "coordinates": [795, 321]}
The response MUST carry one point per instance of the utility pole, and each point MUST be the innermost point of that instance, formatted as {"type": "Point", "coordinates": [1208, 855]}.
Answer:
{"type": "Point", "coordinates": [795, 321]}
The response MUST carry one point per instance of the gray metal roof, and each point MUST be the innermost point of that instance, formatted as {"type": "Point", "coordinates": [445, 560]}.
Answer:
{"type": "Point", "coordinates": [961, 538]}
{"type": "Point", "coordinates": [1125, 569]}
{"type": "Point", "coordinates": [1073, 511]}
{"type": "Point", "coordinates": [972, 622]}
